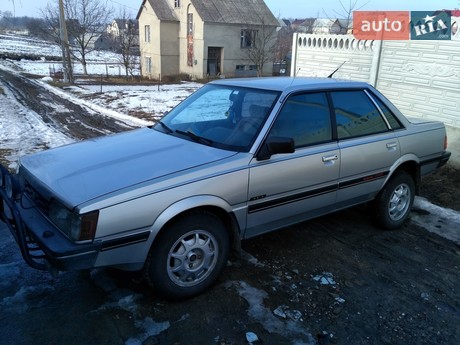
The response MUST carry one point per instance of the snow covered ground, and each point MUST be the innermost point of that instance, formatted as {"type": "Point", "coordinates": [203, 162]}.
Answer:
{"type": "Point", "coordinates": [152, 99]}
{"type": "Point", "coordinates": [23, 131]}
{"type": "Point", "coordinates": [99, 62]}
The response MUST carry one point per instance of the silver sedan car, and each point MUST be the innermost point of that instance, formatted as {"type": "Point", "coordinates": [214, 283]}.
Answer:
{"type": "Point", "coordinates": [236, 159]}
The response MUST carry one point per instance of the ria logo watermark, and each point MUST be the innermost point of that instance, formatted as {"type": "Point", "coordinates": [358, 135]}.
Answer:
{"type": "Point", "coordinates": [402, 25]}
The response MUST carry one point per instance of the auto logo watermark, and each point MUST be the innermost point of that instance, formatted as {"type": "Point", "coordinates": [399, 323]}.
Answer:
{"type": "Point", "coordinates": [431, 26]}
{"type": "Point", "coordinates": [403, 25]}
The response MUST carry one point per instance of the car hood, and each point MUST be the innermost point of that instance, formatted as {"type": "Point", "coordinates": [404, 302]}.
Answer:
{"type": "Point", "coordinates": [83, 171]}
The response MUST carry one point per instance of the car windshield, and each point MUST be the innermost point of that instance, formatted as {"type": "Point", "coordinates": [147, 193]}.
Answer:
{"type": "Point", "coordinates": [226, 117]}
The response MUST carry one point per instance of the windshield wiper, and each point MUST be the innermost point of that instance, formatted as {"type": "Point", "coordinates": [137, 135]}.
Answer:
{"type": "Point", "coordinates": [165, 127]}
{"type": "Point", "coordinates": [195, 137]}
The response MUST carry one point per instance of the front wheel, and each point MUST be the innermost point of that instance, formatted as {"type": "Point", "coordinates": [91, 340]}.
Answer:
{"type": "Point", "coordinates": [393, 204]}
{"type": "Point", "coordinates": [188, 256]}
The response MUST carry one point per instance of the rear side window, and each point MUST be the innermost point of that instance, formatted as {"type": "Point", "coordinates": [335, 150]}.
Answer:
{"type": "Point", "coordinates": [356, 115]}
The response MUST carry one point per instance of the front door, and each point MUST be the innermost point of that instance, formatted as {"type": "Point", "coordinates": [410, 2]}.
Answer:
{"type": "Point", "coordinates": [289, 188]}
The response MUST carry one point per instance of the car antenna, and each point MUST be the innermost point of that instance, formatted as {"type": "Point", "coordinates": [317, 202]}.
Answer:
{"type": "Point", "coordinates": [330, 75]}
{"type": "Point", "coordinates": [295, 76]}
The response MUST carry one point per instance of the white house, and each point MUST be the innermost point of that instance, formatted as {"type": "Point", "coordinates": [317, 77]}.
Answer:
{"type": "Point", "coordinates": [201, 37]}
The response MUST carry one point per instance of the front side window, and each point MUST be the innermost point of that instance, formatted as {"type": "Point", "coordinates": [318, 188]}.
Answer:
{"type": "Point", "coordinates": [226, 117]}
{"type": "Point", "coordinates": [356, 115]}
{"type": "Point", "coordinates": [248, 38]}
{"type": "Point", "coordinates": [306, 119]}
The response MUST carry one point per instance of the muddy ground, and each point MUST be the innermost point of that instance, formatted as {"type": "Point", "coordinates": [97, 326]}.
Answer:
{"type": "Point", "coordinates": [334, 280]}
{"type": "Point", "coordinates": [442, 187]}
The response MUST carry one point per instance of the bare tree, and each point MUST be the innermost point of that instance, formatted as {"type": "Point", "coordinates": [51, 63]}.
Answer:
{"type": "Point", "coordinates": [345, 13]}
{"type": "Point", "coordinates": [36, 27]}
{"type": "Point", "coordinates": [86, 21]}
{"type": "Point", "coordinates": [127, 42]}
{"type": "Point", "coordinates": [257, 43]}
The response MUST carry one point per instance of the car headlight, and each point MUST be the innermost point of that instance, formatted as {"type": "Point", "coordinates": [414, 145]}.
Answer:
{"type": "Point", "coordinates": [78, 227]}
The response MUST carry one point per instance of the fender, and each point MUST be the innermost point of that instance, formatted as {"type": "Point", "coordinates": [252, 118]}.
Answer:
{"type": "Point", "coordinates": [410, 157]}
{"type": "Point", "coordinates": [195, 202]}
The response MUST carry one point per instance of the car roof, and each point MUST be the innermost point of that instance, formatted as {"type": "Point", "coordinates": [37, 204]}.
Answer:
{"type": "Point", "coordinates": [291, 83]}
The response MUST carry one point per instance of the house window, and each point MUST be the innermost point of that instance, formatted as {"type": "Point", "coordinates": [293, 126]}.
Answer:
{"type": "Point", "coordinates": [147, 33]}
{"type": "Point", "coordinates": [176, 3]}
{"type": "Point", "coordinates": [190, 24]}
{"type": "Point", "coordinates": [246, 67]}
{"type": "Point", "coordinates": [148, 65]}
{"type": "Point", "coordinates": [248, 38]}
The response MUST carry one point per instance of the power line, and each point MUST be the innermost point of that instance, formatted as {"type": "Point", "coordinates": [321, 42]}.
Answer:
{"type": "Point", "coordinates": [123, 5]}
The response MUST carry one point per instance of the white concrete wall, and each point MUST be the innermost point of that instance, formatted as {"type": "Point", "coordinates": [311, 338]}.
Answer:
{"type": "Point", "coordinates": [422, 78]}
{"type": "Point", "coordinates": [320, 55]}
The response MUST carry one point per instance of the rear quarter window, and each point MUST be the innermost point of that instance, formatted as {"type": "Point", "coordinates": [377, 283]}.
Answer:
{"type": "Point", "coordinates": [391, 118]}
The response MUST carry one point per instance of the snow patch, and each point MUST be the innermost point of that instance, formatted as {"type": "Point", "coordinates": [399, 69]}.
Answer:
{"type": "Point", "coordinates": [150, 328]}
{"type": "Point", "coordinates": [325, 278]}
{"type": "Point", "coordinates": [442, 221]}
{"type": "Point", "coordinates": [151, 99]}
{"type": "Point", "coordinates": [263, 315]}
{"type": "Point", "coordinates": [22, 131]}
{"type": "Point", "coordinates": [251, 259]}
{"type": "Point", "coordinates": [127, 303]}
{"type": "Point", "coordinates": [147, 326]}
{"type": "Point", "coordinates": [18, 302]}
{"type": "Point", "coordinates": [129, 120]}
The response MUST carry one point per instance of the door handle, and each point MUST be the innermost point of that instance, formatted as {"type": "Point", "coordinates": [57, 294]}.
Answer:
{"type": "Point", "coordinates": [392, 146]}
{"type": "Point", "coordinates": [330, 158]}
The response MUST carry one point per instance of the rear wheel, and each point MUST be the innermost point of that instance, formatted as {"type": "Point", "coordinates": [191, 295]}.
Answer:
{"type": "Point", "coordinates": [394, 203]}
{"type": "Point", "coordinates": [188, 256]}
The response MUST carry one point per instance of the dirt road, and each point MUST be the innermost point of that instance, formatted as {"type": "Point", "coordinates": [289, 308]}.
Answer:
{"type": "Point", "coordinates": [334, 280]}
{"type": "Point", "coordinates": [72, 119]}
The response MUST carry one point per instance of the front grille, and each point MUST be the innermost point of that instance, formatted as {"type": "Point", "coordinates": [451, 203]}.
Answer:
{"type": "Point", "coordinates": [41, 202]}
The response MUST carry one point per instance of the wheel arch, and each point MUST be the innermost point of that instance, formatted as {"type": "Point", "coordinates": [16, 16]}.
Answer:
{"type": "Point", "coordinates": [409, 164]}
{"type": "Point", "coordinates": [204, 203]}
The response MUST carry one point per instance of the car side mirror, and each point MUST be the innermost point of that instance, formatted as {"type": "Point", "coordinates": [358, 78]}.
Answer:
{"type": "Point", "coordinates": [275, 145]}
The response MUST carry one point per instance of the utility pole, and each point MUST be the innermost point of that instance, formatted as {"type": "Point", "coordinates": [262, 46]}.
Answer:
{"type": "Point", "coordinates": [66, 62]}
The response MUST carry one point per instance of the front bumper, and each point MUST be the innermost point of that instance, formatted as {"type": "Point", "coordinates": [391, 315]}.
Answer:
{"type": "Point", "coordinates": [42, 245]}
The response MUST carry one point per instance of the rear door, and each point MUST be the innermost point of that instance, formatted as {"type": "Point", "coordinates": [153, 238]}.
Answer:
{"type": "Point", "coordinates": [367, 145]}
{"type": "Point", "coordinates": [289, 188]}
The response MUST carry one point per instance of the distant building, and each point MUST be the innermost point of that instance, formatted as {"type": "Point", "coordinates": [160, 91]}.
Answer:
{"type": "Point", "coordinates": [331, 26]}
{"type": "Point", "coordinates": [119, 26]}
{"type": "Point", "coordinates": [201, 37]}
{"type": "Point", "coordinates": [303, 25]}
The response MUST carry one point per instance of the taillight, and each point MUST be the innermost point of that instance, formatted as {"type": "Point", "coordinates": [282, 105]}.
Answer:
{"type": "Point", "coordinates": [445, 143]}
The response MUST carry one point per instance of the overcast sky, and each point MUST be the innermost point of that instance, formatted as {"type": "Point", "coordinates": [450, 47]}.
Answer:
{"type": "Point", "coordinates": [280, 8]}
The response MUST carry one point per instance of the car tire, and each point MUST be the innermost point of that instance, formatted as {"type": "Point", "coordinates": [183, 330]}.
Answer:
{"type": "Point", "coordinates": [393, 204]}
{"type": "Point", "coordinates": [188, 256]}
